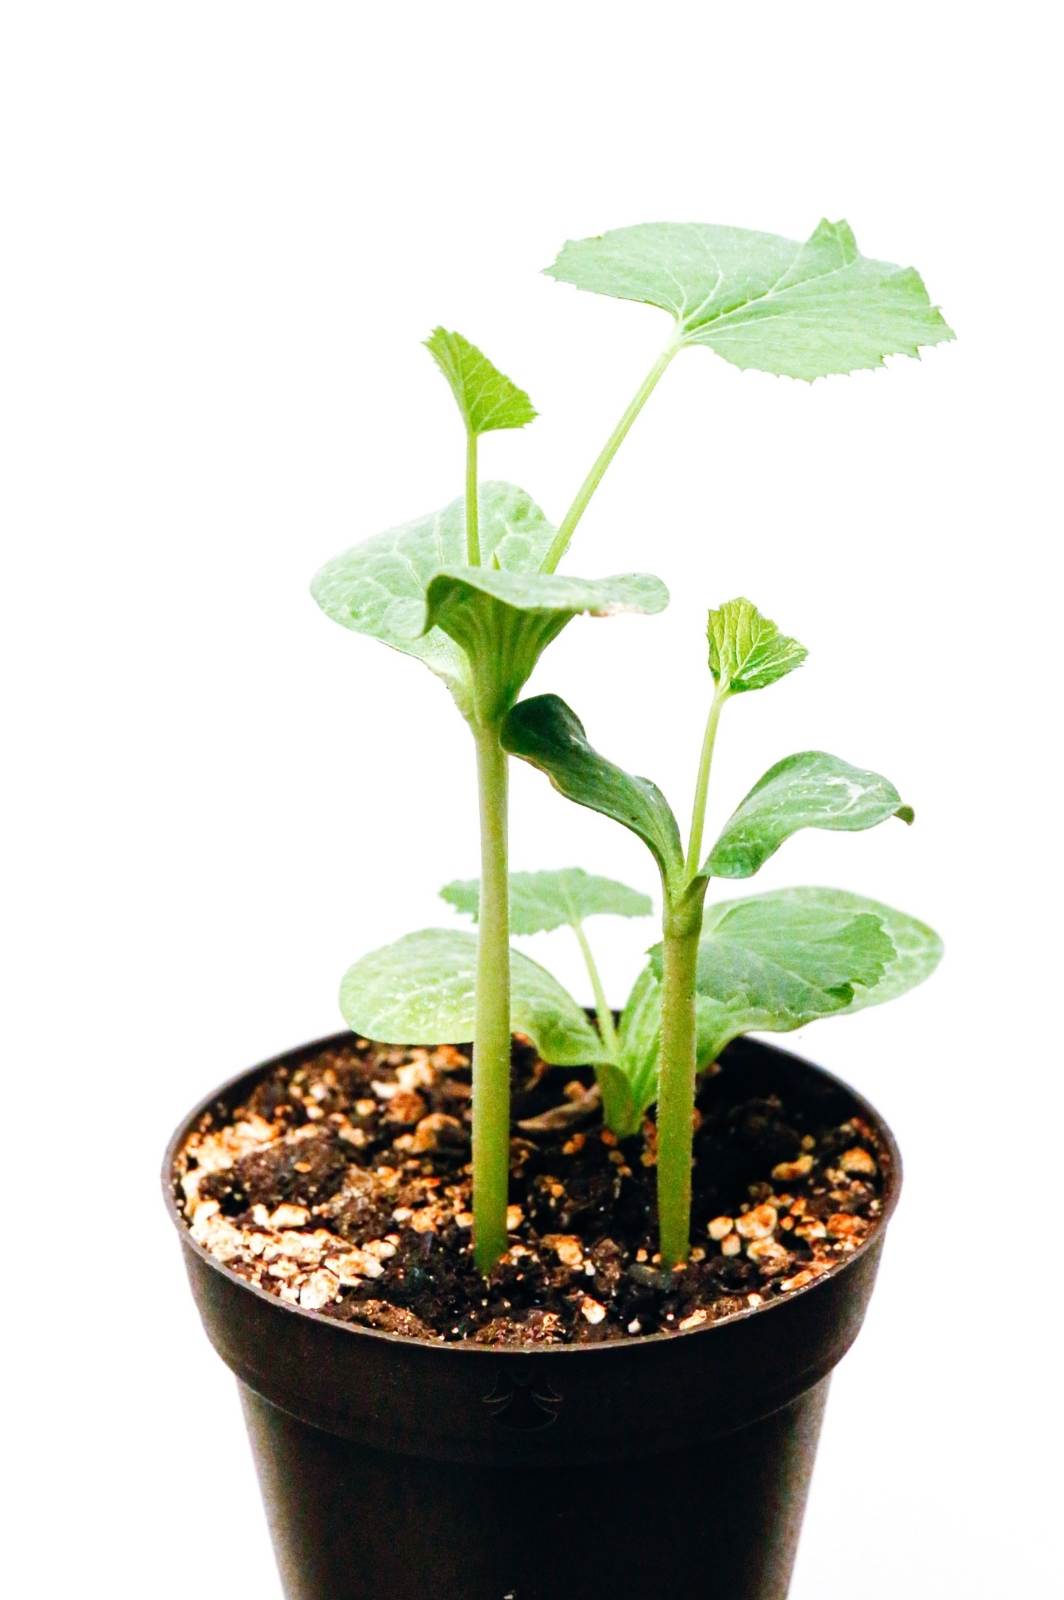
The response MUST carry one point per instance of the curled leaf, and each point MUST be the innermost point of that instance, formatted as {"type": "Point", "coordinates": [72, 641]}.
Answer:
{"type": "Point", "coordinates": [546, 733]}
{"type": "Point", "coordinates": [380, 587]}
{"type": "Point", "coordinates": [503, 621]}
{"type": "Point", "coordinates": [809, 790]}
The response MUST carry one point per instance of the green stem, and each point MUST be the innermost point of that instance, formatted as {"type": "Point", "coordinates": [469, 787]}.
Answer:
{"type": "Point", "coordinates": [607, 1027]}
{"type": "Point", "coordinates": [472, 503]}
{"type": "Point", "coordinates": [676, 1083]}
{"type": "Point", "coordinates": [606, 455]}
{"type": "Point", "coordinates": [698, 815]}
{"type": "Point", "coordinates": [491, 1040]}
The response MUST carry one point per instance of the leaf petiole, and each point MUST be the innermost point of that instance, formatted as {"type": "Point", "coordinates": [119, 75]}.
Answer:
{"type": "Point", "coordinates": [607, 1027]}
{"type": "Point", "coordinates": [698, 814]}
{"type": "Point", "coordinates": [472, 504]}
{"type": "Point", "coordinates": [567, 526]}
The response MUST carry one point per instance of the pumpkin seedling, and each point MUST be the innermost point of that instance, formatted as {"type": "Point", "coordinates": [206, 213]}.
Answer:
{"type": "Point", "coordinates": [472, 591]}
{"type": "Point", "coordinates": [772, 962]}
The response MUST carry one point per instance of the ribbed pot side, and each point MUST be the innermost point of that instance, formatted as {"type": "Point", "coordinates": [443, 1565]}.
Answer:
{"type": "Point", "coordinates": [671, 1466]}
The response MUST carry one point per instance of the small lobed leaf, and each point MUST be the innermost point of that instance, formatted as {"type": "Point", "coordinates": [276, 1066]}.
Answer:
{"type": "Point", "coordinates": [747, 650]}
{"type": "Point", "coordinates": [422, 990]}
{"type": "Point", "coordinates": [802, 310]}
{"type": "Point", "coordinates": [546, 733]}
{"type": "Point", "coordinates": [809, 790]}
{"type": "Point", "coordinates": [380, 587]}
{"type": "Point", "coordinates": [541, 901]}
{"type": "Point", "coordinates": [487, 399]}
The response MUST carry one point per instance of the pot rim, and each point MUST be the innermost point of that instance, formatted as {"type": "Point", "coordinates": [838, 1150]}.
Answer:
{"type": "Point", "coordinates": [892, 1190]}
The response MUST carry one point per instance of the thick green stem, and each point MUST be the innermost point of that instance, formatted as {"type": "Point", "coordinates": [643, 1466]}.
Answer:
{"type": "Point", "coordinates": [472, 502]}
{"type": "Point", "coordinates": [676, 1083]}
{"type": "Point", "coordinates": [491, 1040]}
{"type": "Point", "coordinates": [698, 815]}
{"type": "Point", "coordinates": [607, 1027]}
{"type": "Point", "coordinates": [606, 455]}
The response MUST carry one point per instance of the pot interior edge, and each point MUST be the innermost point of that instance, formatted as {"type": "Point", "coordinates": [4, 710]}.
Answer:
{"type": "Point", "coordinates": [769, 1058]}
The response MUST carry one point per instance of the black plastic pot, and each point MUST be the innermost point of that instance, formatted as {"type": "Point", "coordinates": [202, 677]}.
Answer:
{"type": "Point", "coordinates": [671, 1466]}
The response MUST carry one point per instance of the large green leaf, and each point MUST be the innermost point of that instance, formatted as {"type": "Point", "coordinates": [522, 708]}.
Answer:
{"type": "Point", "coordinates": [917, 948]}
{"type": "Point", "coordinates": [777, 961]}
{"type": "Point", "coordinates": [421, 990]}
{"type": "Point", "coordinates": [803, 310]}
{"type": "Point", "coordinates": [380, 587]}
{"type": "Point", "coordinates": [747, 650]}
{"type": "Point", "coordinates": [503, 621]}
{"type": "Point", "coordinates": [777, 967]}
{"type": "Point", "coordinates": [540, 901]}
{"type": "Point", "coordinates": [486, 398]}
{"type": "Point", "coordinates": [546, 733]}
{"type": "Point", "coordinates": [808, 790]}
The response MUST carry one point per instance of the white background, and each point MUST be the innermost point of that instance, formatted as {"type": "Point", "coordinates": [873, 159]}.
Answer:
{"type": "Point", "coordinates": [228, 227]}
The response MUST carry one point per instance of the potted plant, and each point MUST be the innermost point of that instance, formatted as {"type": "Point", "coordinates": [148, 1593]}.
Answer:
{"type": "Point", "coordinates": [528, 1300]}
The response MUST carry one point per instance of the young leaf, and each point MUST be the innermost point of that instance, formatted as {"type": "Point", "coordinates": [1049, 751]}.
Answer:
{"type": "Point", "coordinates": [540, 901]}
{"type": "Point", "coordinates": [380, 587]}
{"type": "Point", "coordinates": [486, 398]}
{"type": "Point", "coordinates": [546, 733]}
{"type": "Point", "coordinates": [746, 650]}
{"type": "Point", "coordinates": [801, 310]}
{"type": "Point", "coordinates": [421, 990]}
{"type": "Point", "coordinates": [808, 790]}
{"type": "Point", "coordinates": [503, 621]}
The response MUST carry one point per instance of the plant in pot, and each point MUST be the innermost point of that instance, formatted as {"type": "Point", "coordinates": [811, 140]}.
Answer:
{"type": "Point", "coordinates": [526, 1299]}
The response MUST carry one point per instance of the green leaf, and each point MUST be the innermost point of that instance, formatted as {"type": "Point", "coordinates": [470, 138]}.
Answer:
{"type": "Point", "coordinates": [546, 733]}
{"type": "Point", "coordinates": [486, 398]}
{"type": "Point", "coordinates": [917, 948]}
{"type": "Point", "coordinates": [540, 901]}
{"type": "Point", "coordinates": [503, 621]}
{"type": "Point", "coordinates": [776, 967]}
{"type": "Point", "coordinates": [421, 990]}
{"type": "Point", "coordinates": [808, 790]}
{"type": "Point", "coordinates": [777, 961]}
{"type": "Point", "coordinates": [746, 650]}
{"type": "Point", "coordinates": [380, 587]}
{"type": "Point", "coordinates": [802, 310]}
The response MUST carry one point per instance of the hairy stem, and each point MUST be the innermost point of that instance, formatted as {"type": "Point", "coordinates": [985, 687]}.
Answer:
{"type": "Point", "coordinates": [607, 1027]}
{"type": "Point", "coordinates": [676, 1082]}
{"type": "Point", "coordinates": [491, 1041]}
{"type": "Point", "coordinates": [606, 455]}
{"type": "Point", "coordinates": [472, 503]}
{"type": "Point", "coordinates": [698, 814]}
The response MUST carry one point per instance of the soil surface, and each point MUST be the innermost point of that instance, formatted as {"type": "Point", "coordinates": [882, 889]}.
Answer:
{"type": "Point", "coordinates": [343, 1186]}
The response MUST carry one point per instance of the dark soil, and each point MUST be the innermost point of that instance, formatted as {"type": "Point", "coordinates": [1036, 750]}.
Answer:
{"type": "Point", "coordinates": [343, 1186]}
